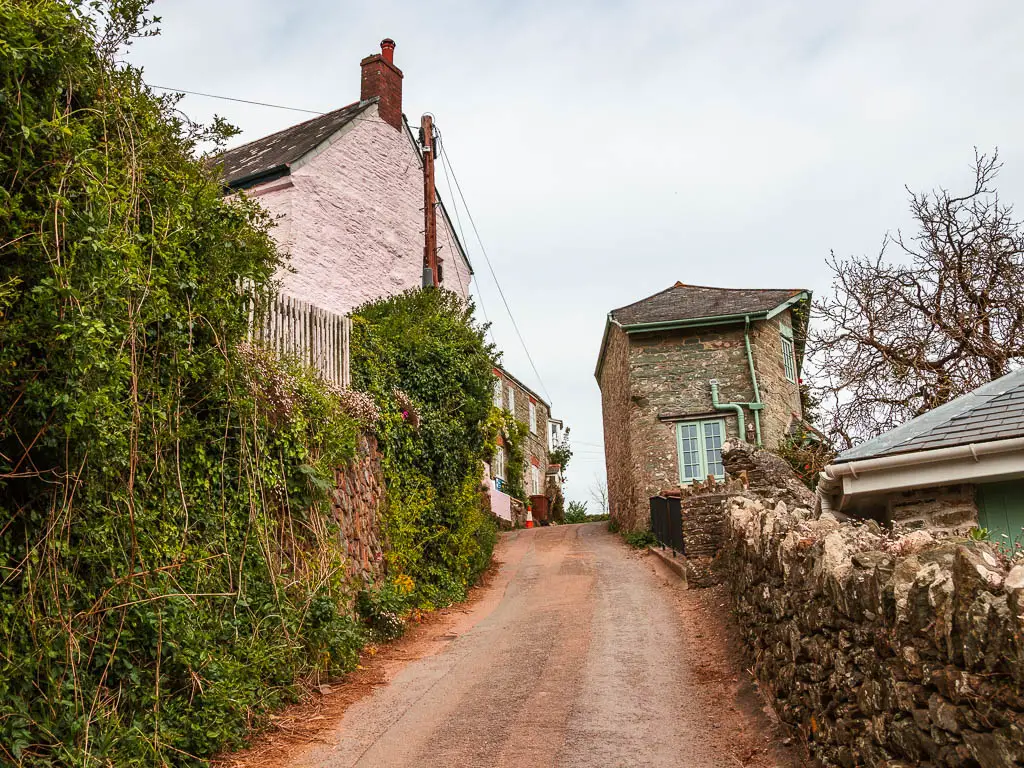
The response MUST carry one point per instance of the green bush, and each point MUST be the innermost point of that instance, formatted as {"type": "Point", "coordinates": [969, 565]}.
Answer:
{"type": "Point", "coordinates": [640, 539]}
{"type": "Point", "coordinates": [169, 565]}
{"type": "Point", "coordinates": [426, 344]}
{"type": "Point", "coordinates": [576, 512]}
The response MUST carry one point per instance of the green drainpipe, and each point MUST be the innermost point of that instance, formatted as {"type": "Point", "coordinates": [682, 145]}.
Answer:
{"type": "Point", "coordinates": [756, 405]}
{"type": "Point", "coordinates": [737, 407]}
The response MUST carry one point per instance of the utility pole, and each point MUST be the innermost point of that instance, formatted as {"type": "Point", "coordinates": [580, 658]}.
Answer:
{"type": "Point", "coordinates": [430, 275]}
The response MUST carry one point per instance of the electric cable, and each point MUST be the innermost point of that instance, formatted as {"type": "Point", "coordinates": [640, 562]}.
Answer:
{"type": "Point", "coordinates": [445, 158]}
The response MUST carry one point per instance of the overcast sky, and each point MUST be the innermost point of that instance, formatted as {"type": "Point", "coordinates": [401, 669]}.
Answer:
{"type": "Point", "coordinates": [608, 149]}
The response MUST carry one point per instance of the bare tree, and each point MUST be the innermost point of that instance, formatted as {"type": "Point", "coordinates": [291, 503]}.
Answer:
{"type": "Point", "coordinates": [901, 336]}
{"type": "Point", "coordinates": [599, 495]}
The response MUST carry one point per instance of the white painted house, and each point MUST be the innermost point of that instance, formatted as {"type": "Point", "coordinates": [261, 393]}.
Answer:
{"type": "Point", "coordinates": [346, 190]}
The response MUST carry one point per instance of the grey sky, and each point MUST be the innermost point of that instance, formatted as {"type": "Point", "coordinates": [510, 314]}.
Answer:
{"type": "Point", "coordinates": [608, 149]}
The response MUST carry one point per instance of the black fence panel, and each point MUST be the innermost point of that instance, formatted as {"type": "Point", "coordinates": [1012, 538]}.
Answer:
{"type": "Point", "coordinates": [667, 523]}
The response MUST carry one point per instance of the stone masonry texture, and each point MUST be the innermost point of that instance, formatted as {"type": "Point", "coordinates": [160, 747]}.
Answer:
{"type": "Point", "coordinates": [650, 380]}
{"type": "Point", "coordinates": [878, 649]}
{"type": "Point", "coordinates": [351, 220]}
{"type": "Point", "coordinates": [535, 444]}
{"type": "Point", "coordinates": [356, 503]}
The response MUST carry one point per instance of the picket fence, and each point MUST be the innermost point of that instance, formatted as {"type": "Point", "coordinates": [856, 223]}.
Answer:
{"type": "Point", "coordinates": [297, 328]}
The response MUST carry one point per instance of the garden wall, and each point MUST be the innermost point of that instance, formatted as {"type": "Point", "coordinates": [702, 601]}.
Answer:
{"type": "Point", "coordinates": [356, 503]}
{"type": "Point", "coordinates": [879, 650]}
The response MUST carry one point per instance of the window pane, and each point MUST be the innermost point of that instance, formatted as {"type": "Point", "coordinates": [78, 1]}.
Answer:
{"type": "Point", "coordinates": [788, 359]}
{"type": "Point", "coordinates": [713, 447]}
{"type": "Point", "coordinates": [689, 457]}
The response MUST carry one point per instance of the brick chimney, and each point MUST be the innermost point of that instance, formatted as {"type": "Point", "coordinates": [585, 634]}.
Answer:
{"type": "Point", "coordinates": [381, 78]}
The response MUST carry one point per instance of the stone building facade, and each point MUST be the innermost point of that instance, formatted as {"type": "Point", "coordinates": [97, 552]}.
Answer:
{"type": "Point", "coordinates": [346, 193]}
{"type": "Point", "coordinates": [534, 413]}
{"type": "Point", "coordinates": [658, 360]}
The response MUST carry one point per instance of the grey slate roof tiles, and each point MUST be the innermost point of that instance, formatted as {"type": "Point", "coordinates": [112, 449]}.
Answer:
{"type": "Point", "coordinates": [994, 411]}
{"type": "Point", "coordinates": [278, 150]}
{"type": "Point", "coordinates": [692, 302]}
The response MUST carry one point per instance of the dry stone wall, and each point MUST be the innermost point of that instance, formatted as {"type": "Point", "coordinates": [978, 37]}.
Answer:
{"type": "Point", "coordinates": [880, 650]}
{"type": "Point", "coordinates": [357, 502]}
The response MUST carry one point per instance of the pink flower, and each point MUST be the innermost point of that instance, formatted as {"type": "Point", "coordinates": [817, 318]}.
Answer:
{"type": "Point", "coordinates": [405, 414]}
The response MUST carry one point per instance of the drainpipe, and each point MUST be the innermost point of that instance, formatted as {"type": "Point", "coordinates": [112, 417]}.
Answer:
{"type": "Point", "coordinates": [756, 405]}
{"type": "Point", "coordinates": [741, 423]}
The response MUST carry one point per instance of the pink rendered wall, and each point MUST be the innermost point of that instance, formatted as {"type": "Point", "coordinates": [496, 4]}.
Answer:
{"type": "Point", "coordinates": [352, 222]}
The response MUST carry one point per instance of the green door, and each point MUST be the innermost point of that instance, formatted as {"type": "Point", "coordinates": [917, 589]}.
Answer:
{"type": "Point", "coordinates": [1001, 510]}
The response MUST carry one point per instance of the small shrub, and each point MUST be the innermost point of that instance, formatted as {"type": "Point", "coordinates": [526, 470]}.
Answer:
{"type": "Point", "coordinates": [640, 539]}
{"type": "Point", "coordinates": [383, 609]}
{"type": "Point", "coordinates": [613, 525]}
{"type": "Point", "coordinates": [576, 512]}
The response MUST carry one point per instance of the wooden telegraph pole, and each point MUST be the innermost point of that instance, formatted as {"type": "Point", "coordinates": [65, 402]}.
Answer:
{"type": "Point", "coordinates": [430, 276]}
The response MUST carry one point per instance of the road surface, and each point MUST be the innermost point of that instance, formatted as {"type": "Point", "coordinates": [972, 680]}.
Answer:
{"type": "Point", "coordinates": [582, 652]}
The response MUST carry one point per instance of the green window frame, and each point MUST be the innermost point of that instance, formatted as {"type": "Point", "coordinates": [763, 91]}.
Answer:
{"type": "Point", "coordinates": [699, 449]}
{"type": "Point", "coordinates": [788, 353]}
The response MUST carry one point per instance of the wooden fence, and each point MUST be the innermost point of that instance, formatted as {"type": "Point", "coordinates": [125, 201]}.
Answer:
{"type": "Point", "coordinates": [317, 337]}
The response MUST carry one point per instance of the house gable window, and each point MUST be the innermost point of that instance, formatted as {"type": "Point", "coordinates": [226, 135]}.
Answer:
{"type": "Point", "coordinates": [788, 355]}
{"type": "Point", "coordinates": [699, 447]}
{"type": "Point", "coordinates": [533, 416]}
{"type": "Point", "coordinates": [511, 401]}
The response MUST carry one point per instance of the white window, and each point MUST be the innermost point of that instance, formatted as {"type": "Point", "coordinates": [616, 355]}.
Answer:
{"type": "Point", "coordinates": [788, 358]}
{"type": "Point", "coordinates": [533, 417]}
{"type": "Point", "coordinates": [499, 463]}
{"type": "Point", "coordinates": [497, 393]}
{"type": "Point", "coordinates": [535, 479]}
{"type": "Point", "coordinates": [512, 401]}
{"type": "Point", "coordinates": [699, 445]}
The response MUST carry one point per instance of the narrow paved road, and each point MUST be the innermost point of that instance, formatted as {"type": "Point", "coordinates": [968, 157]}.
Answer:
{"type": "Point", "coordinates": [576, 656]}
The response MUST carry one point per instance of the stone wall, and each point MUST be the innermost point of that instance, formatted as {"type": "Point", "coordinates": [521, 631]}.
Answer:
{"type": "Point", "coordinates": [623, 472]}
{"type": "Point", "coordinates": [880, 650]}
{"type": "Point", "coordinates": [780, 396]}
{"type": "Point", "coordinates": [951, 508]}
{"type": "Point", "coordinates": [356, 504]}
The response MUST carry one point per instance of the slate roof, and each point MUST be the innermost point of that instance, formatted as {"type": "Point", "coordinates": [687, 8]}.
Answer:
{"type": "Point", "coordinates": [994, 411]}
{"type": "Point", "coordinates": [278, 150]}
{"type": "Point", "coordinates": [693, 302]}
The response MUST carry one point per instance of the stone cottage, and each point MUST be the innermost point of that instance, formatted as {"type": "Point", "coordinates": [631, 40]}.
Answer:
{"type": "Point", "coordinates": [958, 466]}
{"type": "Point", "coordinates": [687, 368]}
{"type": "Point", "coordinates": [346, 191]}
{"type": "Point", "coordinates": [542, 432]}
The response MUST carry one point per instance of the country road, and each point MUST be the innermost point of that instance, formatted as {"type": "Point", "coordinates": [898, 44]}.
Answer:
{"type": "Point", "coordinates": [580, 652]}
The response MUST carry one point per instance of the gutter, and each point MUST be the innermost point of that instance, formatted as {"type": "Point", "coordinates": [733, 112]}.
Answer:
{"type": "Point", "coordinates": [973, 462]}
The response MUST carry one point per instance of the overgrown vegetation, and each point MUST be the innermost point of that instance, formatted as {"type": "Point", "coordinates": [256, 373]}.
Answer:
{"type": "Point", "coordinates": [640, 539]}
{"type": "Point", "coordinates": [167, 566]}
{"type": "Point", "coordinates": [561, 451]}
{"type": "Point", "coordinates": [807, 458]}
{"type": "Point", "coordinates": [427, 344]}
{"type": "Point", "coordinates": [513, 435]}
{"type": "Point", "coordinates": [576, 512]}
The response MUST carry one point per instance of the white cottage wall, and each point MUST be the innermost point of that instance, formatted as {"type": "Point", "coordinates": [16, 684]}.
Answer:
{"type": "Point", "coordinates": [352, 220]}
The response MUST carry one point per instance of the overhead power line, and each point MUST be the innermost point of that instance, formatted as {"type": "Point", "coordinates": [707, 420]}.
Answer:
{"type": "Point", "coordinates": [232, 98]}
{"type": "Point", "coordinates": [446, 159]}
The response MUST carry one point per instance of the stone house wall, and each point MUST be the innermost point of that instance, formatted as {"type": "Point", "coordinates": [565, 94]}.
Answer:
{"type": "Point", "coordinates": [535, 444]}
{"type": "Point", "coordinates": [946, 508]}
{"type": "Point", "coordinates": [350, 219]}
{"type": "Point", "coordinates": [356, 504]}
{"type": "Point", "coordinates": [623, 474]}
{"type": "Point", "coordinates": [780, 396]}
{"type": "Point", "coordinates": [651, 380]}
{"type": "Point", "coordinates": [879, 651]}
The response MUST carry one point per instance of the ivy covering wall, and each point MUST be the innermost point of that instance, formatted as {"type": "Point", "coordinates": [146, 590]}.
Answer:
{"type": "Point", "coordinates": [168, 565]}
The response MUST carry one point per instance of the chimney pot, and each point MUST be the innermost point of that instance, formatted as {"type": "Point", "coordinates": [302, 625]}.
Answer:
{"type": "Point", "coordinates": [382, 80]}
